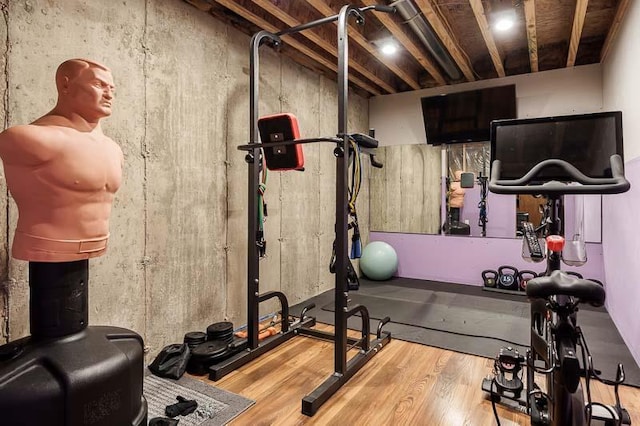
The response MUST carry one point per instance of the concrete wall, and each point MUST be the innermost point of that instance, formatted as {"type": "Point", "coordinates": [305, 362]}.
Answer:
{"type": "Point", "coordinates": [620, 225]}
{"type": "Point", "coordinates": [177, 254]}
{"type": "Point", "coordinates": [403, 194]}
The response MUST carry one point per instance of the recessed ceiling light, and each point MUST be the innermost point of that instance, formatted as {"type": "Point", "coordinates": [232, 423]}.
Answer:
{"type": "Point", "coordinates": [503, 24]}
{"type": "Point", "coordinates": [504, 20]}
{"type": "Point", "coordinates": [389, 48]}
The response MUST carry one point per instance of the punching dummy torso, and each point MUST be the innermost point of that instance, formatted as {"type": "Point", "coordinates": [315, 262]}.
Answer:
{"type": "Point", "coordinates": [456, 192]}
{"type": "Point", "coordinates": [64, 190]}
{"type": "Point", "coordinates": [63, 175]}
{"type": "Point", "coordinates": [456, 195]}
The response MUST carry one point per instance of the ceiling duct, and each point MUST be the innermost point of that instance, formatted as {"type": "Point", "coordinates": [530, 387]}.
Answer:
{"type": "Point", "coordinates": [423, 30]}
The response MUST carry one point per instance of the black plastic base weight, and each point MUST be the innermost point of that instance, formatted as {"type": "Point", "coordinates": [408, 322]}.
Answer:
{"type": "Point", "coordinates": [93, 377]}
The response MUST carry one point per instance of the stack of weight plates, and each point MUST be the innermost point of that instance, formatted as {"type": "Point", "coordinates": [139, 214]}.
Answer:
{"type": "Point", "coordinates": [220, 331]}
{"type": "Point", "coordinates": [194, 338]}
{"type": "Point", "coordinates": [206, 354]}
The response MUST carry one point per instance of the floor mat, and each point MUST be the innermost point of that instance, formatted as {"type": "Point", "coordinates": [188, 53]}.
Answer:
{"type": "Point", "coordinates": [215, 406]}
{"type": "Point", "coordinates": [469, 320]}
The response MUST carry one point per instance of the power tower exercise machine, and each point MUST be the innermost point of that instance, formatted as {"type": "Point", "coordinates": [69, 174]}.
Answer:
{"type": "Point", "coordinates": [251, 348]}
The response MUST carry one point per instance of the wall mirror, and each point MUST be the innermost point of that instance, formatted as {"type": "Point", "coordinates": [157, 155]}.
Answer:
{"type": "Point", "coordinates": [411, 195]}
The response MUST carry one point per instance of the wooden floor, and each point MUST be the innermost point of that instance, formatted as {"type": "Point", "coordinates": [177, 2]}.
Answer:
{"type": "Point", "coordinates": [404, 384]}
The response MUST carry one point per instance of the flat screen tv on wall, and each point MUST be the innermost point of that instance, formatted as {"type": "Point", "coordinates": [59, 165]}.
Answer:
{"type": "Point", "coordinates": [466, 116]}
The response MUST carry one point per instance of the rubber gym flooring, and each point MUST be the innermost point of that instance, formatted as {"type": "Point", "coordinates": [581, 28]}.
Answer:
{"type": "Point", "coordinates": [470, 320]}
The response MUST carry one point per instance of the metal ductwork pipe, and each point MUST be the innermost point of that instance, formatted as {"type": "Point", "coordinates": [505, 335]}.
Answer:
{"type": "Point", "coordinates": [410, 13]}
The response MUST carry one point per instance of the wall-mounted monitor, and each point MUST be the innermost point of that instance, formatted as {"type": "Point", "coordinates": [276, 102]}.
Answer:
{"type": "Point", "coordinates": [587, 141]}
{"type": "Point", "coordinates": [466, 116]}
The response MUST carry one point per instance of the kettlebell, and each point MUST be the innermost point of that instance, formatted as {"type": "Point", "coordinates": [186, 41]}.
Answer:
{"type": "Point", "coordinates": [508, 277]}
{"type": "Point", "coordinates": [489, 276]}
{"type": "Point", "coordinates": [524, 277]}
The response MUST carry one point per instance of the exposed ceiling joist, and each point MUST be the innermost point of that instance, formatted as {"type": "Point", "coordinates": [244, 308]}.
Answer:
{"type": "Point", "coordinates": [576, 31]}
{"type": "Point", "coordinates": [446, 37]}
{"type": "Point", "coordinates": [411, 47]}
{"type": "Point", "coordinates": [203, 5]}
{"type": "Point", "coordinates": [481, 18]}
{"type": "Point", "coordinates": [613, 30]}
{"type": "Point", "coordinates": [256, 20]}
{"type": "Point", "coordinates": [279, 13]}
{"type": "Point", "coordinates": [532, 38]}
{"type": "Point", "coordinates": [324, 9]}
{"type": "Point", "coordinates": [444, 41]}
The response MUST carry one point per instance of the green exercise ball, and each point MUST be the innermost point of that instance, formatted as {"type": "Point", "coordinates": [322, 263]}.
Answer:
{"type": "Point", "coordinates": [379, 261]}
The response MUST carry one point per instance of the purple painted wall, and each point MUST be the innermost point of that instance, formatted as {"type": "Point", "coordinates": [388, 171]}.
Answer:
{"type": "Point", "coordinates": [621, 242]}
{"type": "Point", "coordinates": [461, 259]}
{"type": "Point", "coordinates": [501, 212]}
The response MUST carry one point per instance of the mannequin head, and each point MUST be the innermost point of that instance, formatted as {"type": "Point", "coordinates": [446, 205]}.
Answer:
{"type": "Point", "coordinates": [85, 88]}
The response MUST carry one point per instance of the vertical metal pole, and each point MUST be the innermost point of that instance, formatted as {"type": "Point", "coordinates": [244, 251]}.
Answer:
{"type": "Point", "coordinates": [253, 256]}
{"type": "Point", "coordinates": [340, 347]}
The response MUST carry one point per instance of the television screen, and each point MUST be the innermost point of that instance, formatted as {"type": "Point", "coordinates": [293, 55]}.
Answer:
{"type": "Point", "coordinates": [586, 141]}
{"type": "Point", "coordinates": [466, 116]}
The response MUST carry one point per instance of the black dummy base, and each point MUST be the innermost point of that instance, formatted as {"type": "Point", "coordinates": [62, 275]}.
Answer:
{"type": "Point", "coordinates": [65, 373]}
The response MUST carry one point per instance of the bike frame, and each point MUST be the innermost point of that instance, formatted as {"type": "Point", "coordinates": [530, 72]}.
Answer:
{"type": "Point", "coordinates": [554, 329]}
{"type": "Point", "coordinates": [553, 340]}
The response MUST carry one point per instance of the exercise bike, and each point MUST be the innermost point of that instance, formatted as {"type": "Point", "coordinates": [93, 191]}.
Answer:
{"type": "Point", "coordinates": [555, 297]}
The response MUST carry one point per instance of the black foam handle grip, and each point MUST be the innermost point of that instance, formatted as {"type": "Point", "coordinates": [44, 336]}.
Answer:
{"type": "Point", "coordinates": [365, 141]}
{"type": "Point", "coordinates": [375, 163]}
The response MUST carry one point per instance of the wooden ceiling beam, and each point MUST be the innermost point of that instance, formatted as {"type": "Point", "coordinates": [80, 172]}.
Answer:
{"type": "Point", "coordinates": [532, 38]}
{"type": "Point", "coordinates": [613, 30]}
{"type": "Point", "coordinates": [256, 20]}
{"type": "Point", "coordinates": [481, 18]}
{"type": "Point", "coordinates": [449, 41]}
{"type": "Point", "coordinates": [324, 9]}
{"type": "Point", "coordinates": [408, 44]}
{"type": "Point", "coordinates": [203, 5]}
{"type": "Point", "coordinates": [576, 31]}
{"type": "Point", "coordinates": [312, 36]}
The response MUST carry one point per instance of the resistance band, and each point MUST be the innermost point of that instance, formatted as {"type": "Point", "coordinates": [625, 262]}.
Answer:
{"type": "Point", "coordinates": [262, 209]}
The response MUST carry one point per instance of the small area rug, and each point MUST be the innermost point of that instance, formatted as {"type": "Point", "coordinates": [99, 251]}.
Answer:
{"type": "Point", "coordinates": [215, 406]}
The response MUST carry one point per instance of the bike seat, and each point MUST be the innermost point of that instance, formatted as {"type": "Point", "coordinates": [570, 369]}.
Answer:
{"type": "Point", "coordinates": [561, 283]}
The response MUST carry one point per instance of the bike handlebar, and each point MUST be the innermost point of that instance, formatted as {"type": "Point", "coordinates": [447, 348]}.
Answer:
{"type": "Point", "coordinates": [615, 185]}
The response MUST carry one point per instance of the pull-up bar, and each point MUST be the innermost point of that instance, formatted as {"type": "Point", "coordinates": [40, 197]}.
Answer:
{"type": "Point", "coordinates": [322, 21]}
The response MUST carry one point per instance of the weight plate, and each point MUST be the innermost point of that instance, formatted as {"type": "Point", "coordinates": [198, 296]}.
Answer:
{"type": "Point", "coordinates": [209, 349]}
{"type": "Point", "coordinates": [220, 327]}
{"type": "Point", "coordinates": [195, 337]}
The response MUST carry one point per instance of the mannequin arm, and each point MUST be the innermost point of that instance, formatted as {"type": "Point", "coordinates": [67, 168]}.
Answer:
{"type": "Point", "coordinates": [28, 145]}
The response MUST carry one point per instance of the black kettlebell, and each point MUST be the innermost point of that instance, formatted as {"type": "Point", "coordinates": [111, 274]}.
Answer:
{"type": "Point", "coordinates": [508, 277]}
{"type": "Point", "coordinates": [524, 277]}
{"type": "Point", "coordinates": [489, 276]}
